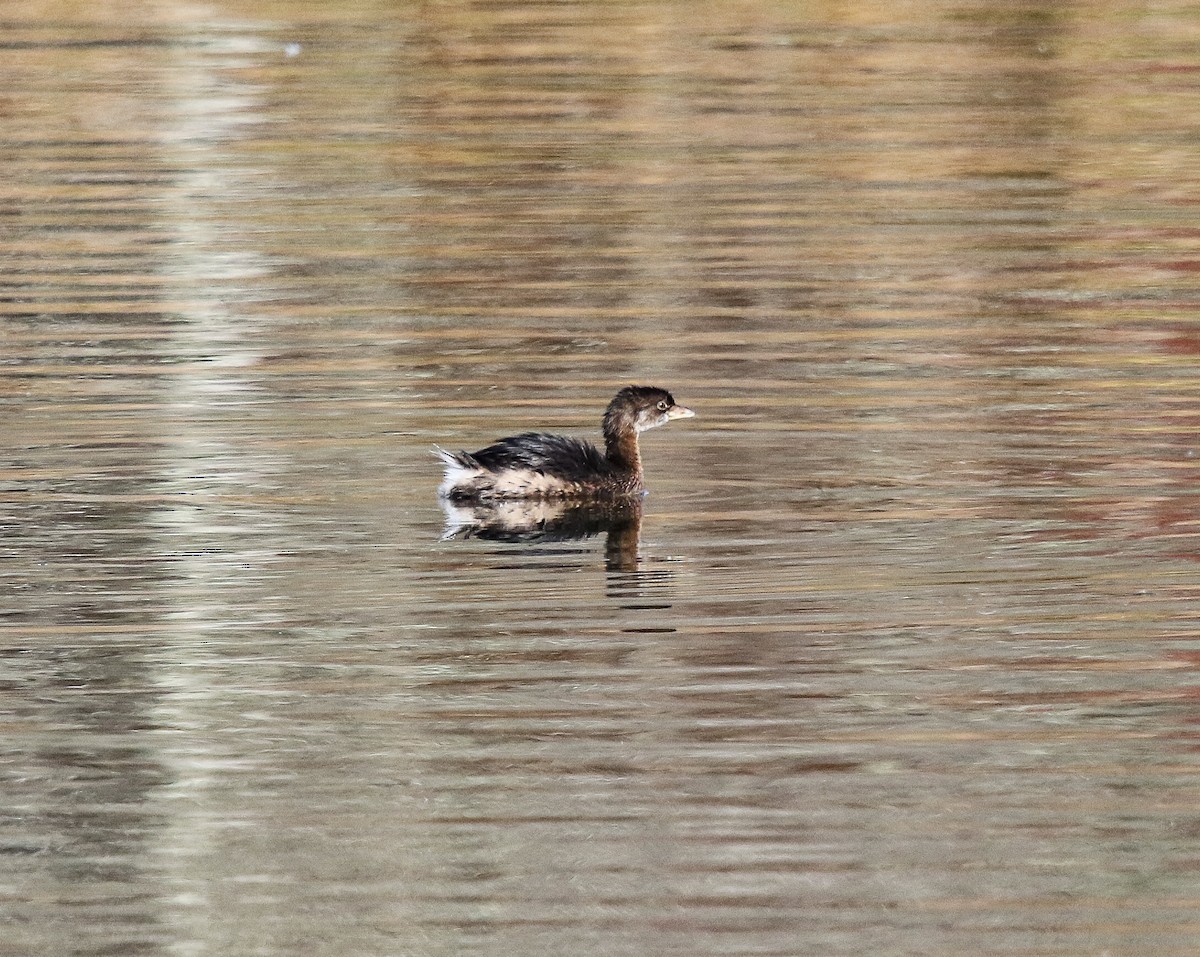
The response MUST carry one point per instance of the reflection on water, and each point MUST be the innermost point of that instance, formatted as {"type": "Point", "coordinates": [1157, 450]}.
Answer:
{"type": "Point", "coordinates": [553, 521]}
{"type": "Point", "coordinates": [898, 656]}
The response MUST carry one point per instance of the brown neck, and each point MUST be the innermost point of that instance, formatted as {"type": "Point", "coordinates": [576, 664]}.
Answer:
{"type": "Point", "coordinates": [622, 450]}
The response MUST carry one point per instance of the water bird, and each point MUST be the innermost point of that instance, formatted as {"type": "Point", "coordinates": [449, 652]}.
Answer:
{"type": "Point", "coordinates": [537, 465]}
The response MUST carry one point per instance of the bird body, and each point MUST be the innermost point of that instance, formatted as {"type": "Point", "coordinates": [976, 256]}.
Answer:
{"type": "Point", "coordinates": [540, 465]}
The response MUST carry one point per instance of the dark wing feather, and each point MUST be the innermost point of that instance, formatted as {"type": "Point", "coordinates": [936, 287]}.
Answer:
{"type": "Point", "coordinates": [558, 455]}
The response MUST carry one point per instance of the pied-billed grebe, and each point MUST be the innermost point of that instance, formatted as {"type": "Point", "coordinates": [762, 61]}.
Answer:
{"type": "Point", "coordinates": [537, 465]}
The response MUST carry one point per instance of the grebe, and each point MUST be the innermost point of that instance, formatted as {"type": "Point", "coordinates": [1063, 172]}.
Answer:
{"type": "Point", "coordinates": [535, 465]}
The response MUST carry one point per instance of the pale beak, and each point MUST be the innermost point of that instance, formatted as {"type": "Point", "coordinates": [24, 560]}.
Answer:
{"type": "Point", "coordinates": [679, 412]}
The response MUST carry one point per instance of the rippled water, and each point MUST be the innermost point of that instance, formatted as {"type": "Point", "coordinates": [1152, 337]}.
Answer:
{"type": "Point", "coordinates": [898, 657]}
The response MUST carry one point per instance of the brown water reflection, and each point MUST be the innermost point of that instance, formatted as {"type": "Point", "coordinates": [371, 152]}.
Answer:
{"type": "Point", "coordinates": [539, 522]}
{"type": "Point", "coordinates": [898, 656]}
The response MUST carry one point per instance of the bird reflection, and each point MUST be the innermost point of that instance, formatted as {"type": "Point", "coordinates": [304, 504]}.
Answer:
{"type": "Point", "coordinates": [540, 521]}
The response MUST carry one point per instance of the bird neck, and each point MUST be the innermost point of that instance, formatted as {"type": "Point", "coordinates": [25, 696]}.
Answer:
{"type": "Point", "coordinates": [621, 448]}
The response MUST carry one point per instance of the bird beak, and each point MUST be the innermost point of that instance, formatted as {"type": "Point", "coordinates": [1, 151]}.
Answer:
{"type": "Point", "coordinates": [679, 412]}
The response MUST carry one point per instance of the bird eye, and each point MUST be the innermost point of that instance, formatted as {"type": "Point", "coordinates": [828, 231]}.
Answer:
{"type": "Point", "coordinates": [662, 405]}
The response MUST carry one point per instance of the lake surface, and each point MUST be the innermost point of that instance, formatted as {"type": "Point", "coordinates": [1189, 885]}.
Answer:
{"type": "Point", "coordinates": [899, 656]}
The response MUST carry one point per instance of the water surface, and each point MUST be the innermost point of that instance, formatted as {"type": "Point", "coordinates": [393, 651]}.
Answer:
{"type": "Point", "coordinates": [898, 656]}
